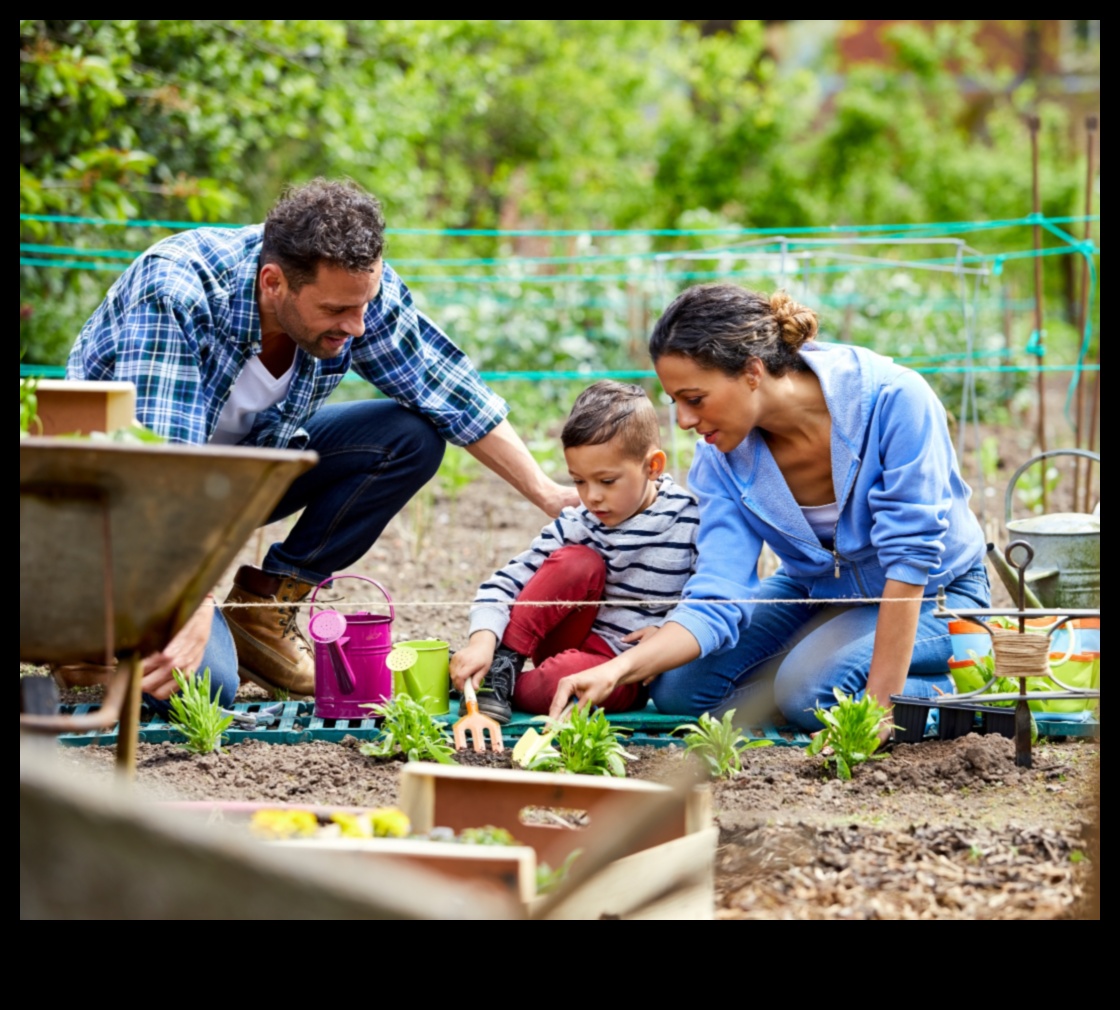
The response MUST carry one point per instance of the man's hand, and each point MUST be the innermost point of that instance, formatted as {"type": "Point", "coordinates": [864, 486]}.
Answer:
{"type": "Point", "coordinates": [473, 662]}
{"type": "Point", "coordinates": [184, 653]}
{"type": "Point", "coordinates": [560, 498]}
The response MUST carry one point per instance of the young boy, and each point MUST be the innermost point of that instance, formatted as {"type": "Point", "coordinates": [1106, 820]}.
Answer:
{"type": "Point", "coordinates": [634, 538]}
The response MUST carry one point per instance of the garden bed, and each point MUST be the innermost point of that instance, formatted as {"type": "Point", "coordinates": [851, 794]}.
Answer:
{"type": "Point", "coordinates": [946, 830]}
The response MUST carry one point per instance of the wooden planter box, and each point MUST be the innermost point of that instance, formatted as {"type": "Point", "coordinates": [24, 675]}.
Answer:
{"type": "Point", "coordinates": [667, 872]}
{"type": "Point", "coordinates": [66, 407]}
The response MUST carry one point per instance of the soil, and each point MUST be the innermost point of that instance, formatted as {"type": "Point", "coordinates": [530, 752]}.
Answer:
{"type": "Point", "coordinates": [936, 830]}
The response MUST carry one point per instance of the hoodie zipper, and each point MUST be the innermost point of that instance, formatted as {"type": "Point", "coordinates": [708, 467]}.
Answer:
{"type": "Point", "coordinates": [837, 557]}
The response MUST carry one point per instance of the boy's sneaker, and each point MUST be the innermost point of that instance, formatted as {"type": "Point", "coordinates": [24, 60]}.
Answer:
{"type": "Point", "coordinates": [496, 693]}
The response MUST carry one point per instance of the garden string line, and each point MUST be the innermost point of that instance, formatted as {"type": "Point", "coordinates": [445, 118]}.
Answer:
{"type": "Point", "coordinates": [925, 230]}
{"type": "Point", "coordinates": [646, 604]}
{"type": "Point", "coordinates": [798, 249]}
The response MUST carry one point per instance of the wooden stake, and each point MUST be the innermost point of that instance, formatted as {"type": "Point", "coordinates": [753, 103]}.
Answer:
{"type": "Point", "coordinates": [1035, 125]}
{"type": "Point", "coordinates": [128, 730]}
{"type": "Point", "coordinates": [1091, 125]}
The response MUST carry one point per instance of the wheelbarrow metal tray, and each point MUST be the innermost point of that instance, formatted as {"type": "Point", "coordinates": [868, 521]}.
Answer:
{"type": "Point", "coordinates": [169, 519]}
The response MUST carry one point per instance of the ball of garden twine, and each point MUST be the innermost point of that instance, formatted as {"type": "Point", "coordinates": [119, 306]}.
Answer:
{"type": "Point", "coordinates": [1021, 655]}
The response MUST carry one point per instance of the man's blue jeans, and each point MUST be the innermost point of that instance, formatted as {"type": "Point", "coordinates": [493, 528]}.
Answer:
{"type": "Point", "coordinates": [374, 455]}
{"type": "Point", "coordinates": [792, 656]}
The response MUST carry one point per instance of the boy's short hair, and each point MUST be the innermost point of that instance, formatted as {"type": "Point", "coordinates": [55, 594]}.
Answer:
{"type": "Point", "coordinates": [608, 409]}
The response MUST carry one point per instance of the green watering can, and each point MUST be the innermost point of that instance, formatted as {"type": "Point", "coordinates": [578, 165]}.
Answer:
{"type": "Point", "coordinates": [1066, 571]}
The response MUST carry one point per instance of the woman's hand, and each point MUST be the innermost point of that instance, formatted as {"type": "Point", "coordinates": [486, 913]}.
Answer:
{"type": "Point", "coordinates": [473, 661]}
{"type": "Point", "coordinates": [670, 647]}
{"type": "Point", "coordinates": [184, 653]}
{"type": "Point", "coordinates": [591, 687]}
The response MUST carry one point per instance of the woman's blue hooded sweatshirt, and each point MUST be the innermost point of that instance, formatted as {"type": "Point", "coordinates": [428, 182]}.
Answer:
{"type": "Point", "coordinates": [904, 511]}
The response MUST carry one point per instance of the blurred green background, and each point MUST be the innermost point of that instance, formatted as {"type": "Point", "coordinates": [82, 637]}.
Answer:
{"type": "Point", "coordinates": [550, 185]}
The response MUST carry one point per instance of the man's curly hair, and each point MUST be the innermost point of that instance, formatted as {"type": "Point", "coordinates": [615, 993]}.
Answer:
{"type": "Point", "coordinates": [323, 221]}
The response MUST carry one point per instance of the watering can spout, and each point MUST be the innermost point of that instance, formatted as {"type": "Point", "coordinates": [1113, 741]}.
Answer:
{"type": "Point", "coordinates": [1010, 578]}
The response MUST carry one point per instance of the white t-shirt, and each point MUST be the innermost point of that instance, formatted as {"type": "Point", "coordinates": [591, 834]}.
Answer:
{"type": "Point", "coordinates": [822, 520]}
{"type": "Point", "coordinates": [256, 389]}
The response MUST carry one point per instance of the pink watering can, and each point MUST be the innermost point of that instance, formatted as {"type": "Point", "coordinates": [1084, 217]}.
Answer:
{"type": "Point", "coordinates": [350, 651]}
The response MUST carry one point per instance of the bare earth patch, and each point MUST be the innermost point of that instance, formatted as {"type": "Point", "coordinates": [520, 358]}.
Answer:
{"type": "Point", "coordinates": [937, 830]}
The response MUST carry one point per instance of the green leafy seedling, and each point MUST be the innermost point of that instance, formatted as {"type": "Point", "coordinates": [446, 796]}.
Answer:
{"type": "Point", "coordinates": [548, 879]}
{"type": "Point", "coordinates": [851, 732]}
{"type": "Point", "coordinates": [585, 744]}
{"type": "Point", "coordinates": [409, 729]}
{"type": "Point", "coordinates": [718, 744]}
{"type": "Point", "coordinates": [488, 835]}
{"type": "Point", "coordinates": [198, 717]}
{"type": "Point", "coordinates": [28, 406]}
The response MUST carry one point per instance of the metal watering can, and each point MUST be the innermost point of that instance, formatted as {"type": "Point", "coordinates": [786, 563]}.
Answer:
{"type": "Point", "coordinates": [1066, 571]}
{"type": "Point", "coordinates": [350, 652]}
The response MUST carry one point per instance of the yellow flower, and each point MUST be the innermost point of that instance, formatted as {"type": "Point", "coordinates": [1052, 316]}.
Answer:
{"type": "Point", "coordinates": [353, 826]}
{"type": "Point", "coordinates": [389, 822]}
{"type": "Point", "coordinates": [284, 823]}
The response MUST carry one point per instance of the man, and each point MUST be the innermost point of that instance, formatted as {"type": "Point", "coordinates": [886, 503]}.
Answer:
{"type": "Point", "coordinates": [238, 336]}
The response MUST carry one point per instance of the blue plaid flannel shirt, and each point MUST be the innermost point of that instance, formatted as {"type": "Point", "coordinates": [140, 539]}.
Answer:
{"type": "Point", "coordinates": [182, 322]}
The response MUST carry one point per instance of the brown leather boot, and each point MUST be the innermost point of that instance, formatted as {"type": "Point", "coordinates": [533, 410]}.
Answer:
{"type": "Point", "coordinates": [271, 649]}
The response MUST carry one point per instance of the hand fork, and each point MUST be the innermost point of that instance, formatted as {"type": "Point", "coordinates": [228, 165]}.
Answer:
{"type": "Point", "coordinates": [477, 726]}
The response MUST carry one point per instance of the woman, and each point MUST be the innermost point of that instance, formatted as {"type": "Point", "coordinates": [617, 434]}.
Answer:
{"type": "Point", "coordinates": [842, 462]}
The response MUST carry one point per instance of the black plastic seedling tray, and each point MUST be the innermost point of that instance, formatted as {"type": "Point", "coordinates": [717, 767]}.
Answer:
{"type": "Point", "coordinates": [957, 720]}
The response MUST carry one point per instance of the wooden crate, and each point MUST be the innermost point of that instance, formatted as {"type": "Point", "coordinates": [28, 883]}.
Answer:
{"type": "Point", "coordinates": [664, 872]}
{"type": "Point", "coordinates": [505, 871]}
{"type": "Point", "coordinates": [66, 408]}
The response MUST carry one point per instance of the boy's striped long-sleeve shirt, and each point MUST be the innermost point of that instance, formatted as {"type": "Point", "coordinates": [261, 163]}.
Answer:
{"type": "Point", "coordinates": [649, 557]}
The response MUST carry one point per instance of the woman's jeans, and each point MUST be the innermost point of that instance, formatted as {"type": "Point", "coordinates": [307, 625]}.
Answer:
{"type": "Point", "coordinates": [792, 656]}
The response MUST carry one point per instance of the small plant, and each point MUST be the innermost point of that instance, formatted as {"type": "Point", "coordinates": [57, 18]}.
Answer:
{"type": "Point", "coordinates": [409, 729]}
{"type": "Point", "coordinates": [1036, 485]}
{"type": "Point", "coordinates": [196, 715]}
{"type": "Point", "coordinates": [851, 732]}
{"type": "Point", "coordinates": [456, 473]}
{"type": "Point", "coordinates": [718, 744]}
{"type": "Point", "coordinates": [28, 406]}
{"type": "Point", "coordinates": [989, 459]}
{"type": "Point", "coordinates": [488, 835]}
{"type": "Point", "coordinates": [548, 879]}
{"type": "Point", "coordinates": [586, 744]}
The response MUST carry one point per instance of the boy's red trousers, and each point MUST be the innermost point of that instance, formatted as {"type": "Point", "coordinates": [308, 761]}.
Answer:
{"type": "Point", "coordinates": [558, 638]}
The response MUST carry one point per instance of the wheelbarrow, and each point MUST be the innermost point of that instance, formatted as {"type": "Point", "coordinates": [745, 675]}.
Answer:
{"type": "Point", "coordinates": [118, 546]}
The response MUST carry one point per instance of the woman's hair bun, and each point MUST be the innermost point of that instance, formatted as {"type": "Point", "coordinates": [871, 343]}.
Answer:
{"type": "Point", "coordinates": [797, 323]}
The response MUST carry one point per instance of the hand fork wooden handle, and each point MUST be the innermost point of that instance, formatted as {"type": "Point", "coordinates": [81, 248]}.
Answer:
{"type": "Point", "coordinates": [480, 727]}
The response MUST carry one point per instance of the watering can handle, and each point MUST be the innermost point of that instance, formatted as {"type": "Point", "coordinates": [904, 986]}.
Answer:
{"type": "Point", "coordinates": [1008, 498]}
{"type": "Point", "coordinates": [385, 592]}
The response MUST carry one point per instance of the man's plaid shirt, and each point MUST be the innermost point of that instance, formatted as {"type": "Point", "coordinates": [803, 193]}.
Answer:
{"type": "Point", "coordinates": [182, 322]}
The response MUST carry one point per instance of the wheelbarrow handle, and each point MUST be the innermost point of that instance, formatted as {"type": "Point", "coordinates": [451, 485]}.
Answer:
{"type": "Point", "coordinates": [1010, 495]}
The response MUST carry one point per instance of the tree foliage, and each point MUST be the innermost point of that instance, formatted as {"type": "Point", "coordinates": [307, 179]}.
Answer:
{"type": "Point", "coordinates": [502, 123]}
